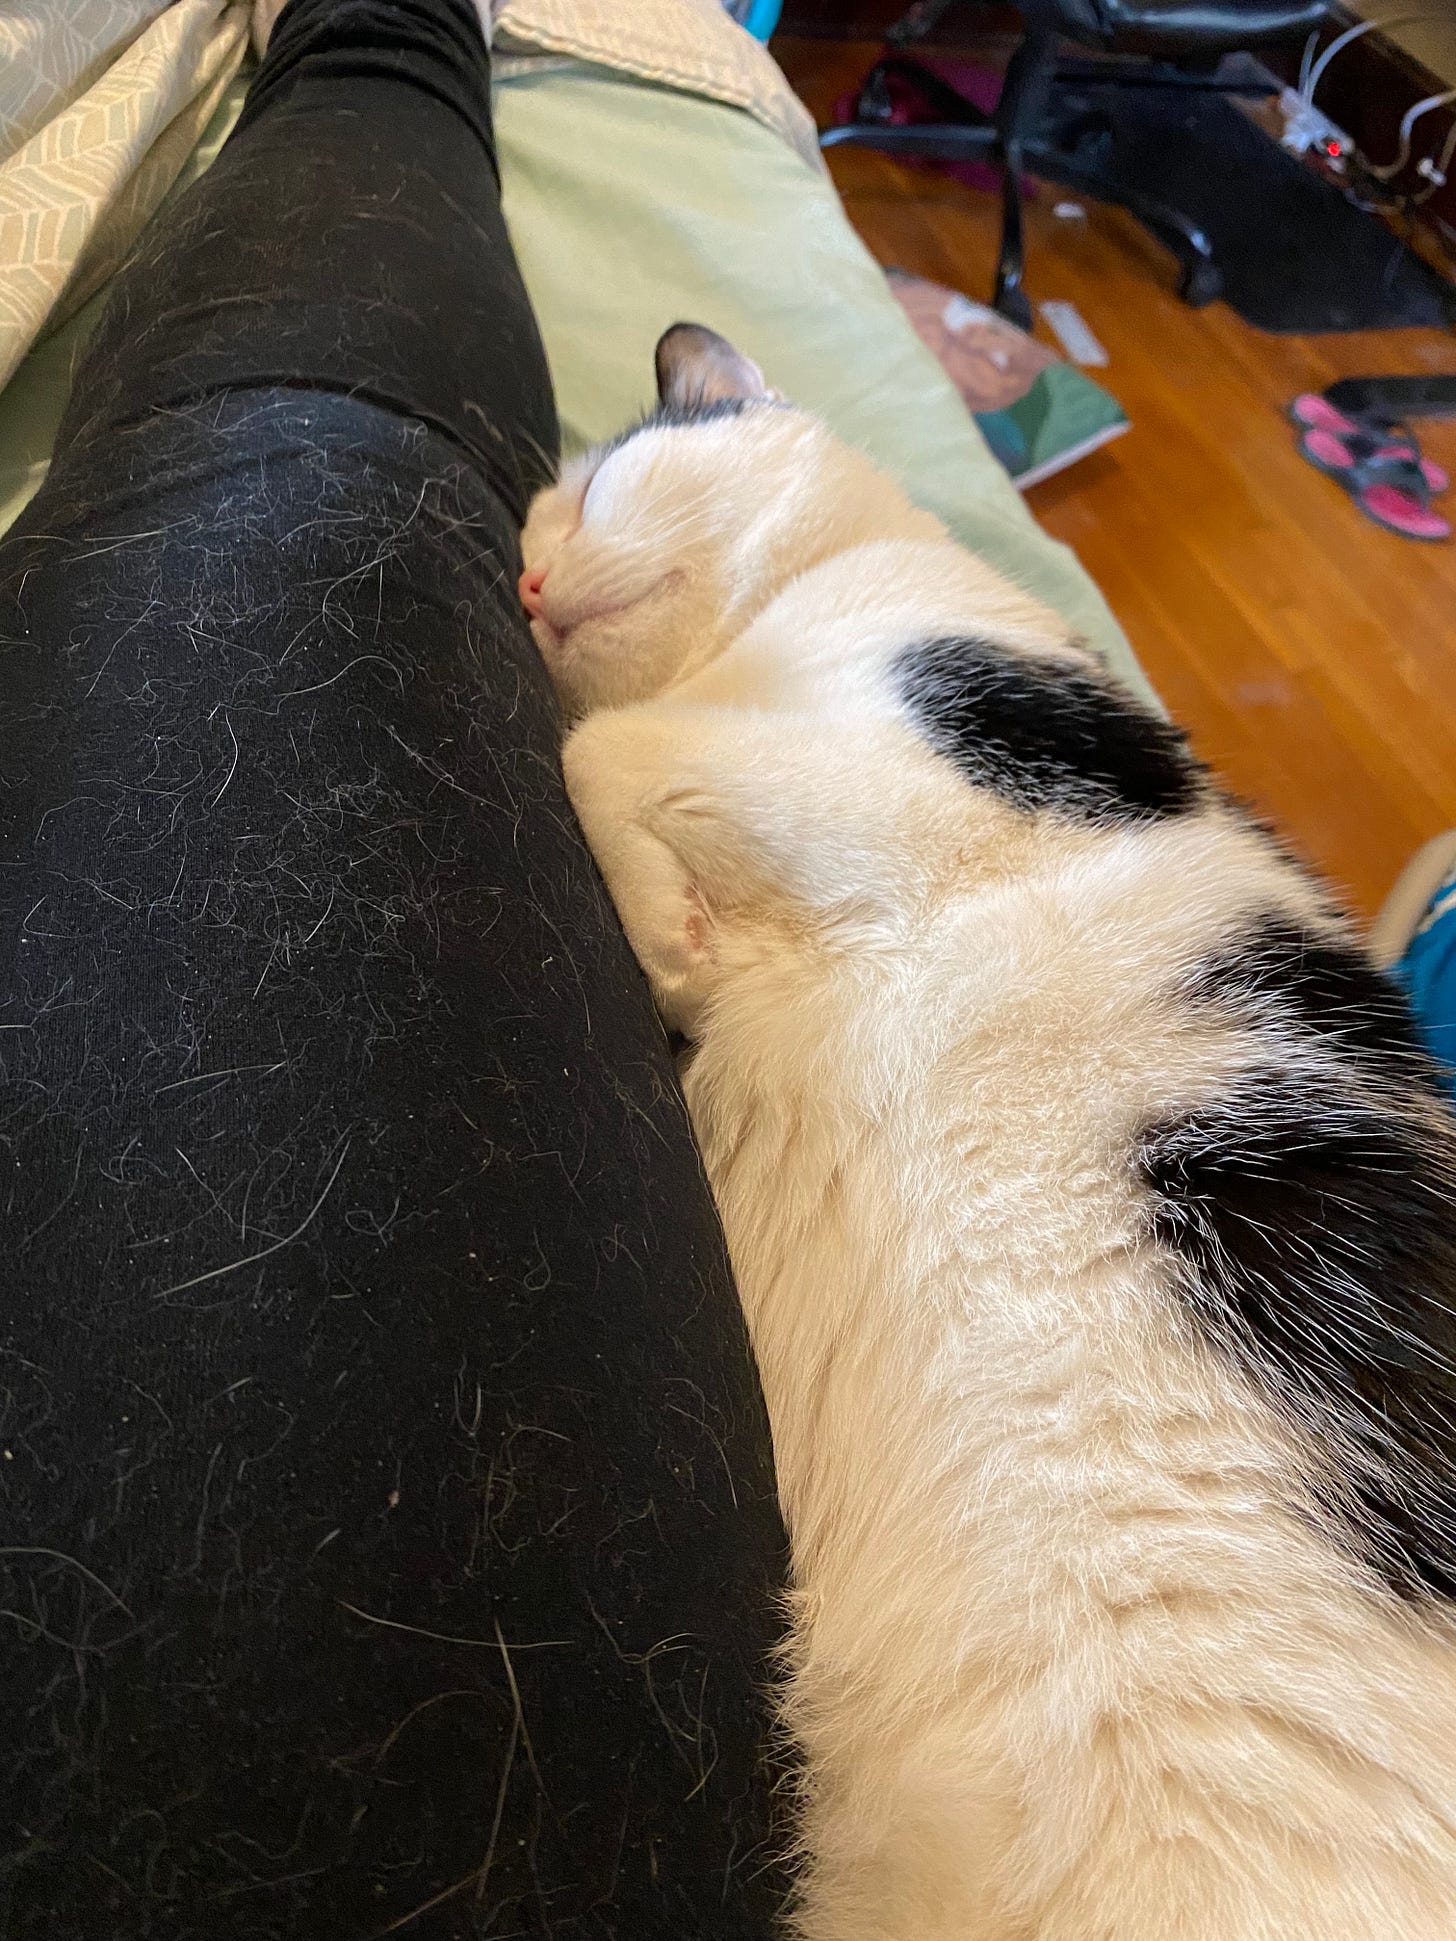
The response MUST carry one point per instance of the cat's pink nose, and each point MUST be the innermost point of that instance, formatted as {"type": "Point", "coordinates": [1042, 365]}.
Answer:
{"type": "Point", "coordinates": [529, 587]}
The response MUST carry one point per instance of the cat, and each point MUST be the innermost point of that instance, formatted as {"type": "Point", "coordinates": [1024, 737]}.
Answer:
{"type": "Point", "coordinates": [1090, 1201]}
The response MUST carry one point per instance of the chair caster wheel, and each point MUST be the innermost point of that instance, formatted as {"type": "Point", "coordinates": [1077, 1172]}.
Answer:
{"type": "Point", "coordinates": [873, 107]}
{"type": "Point", "coordinates": [1013, 306]}
{"type": "Point", "coordinates": [1199, 284]}
{"type": "Point", "coordinates": [1088, 140]}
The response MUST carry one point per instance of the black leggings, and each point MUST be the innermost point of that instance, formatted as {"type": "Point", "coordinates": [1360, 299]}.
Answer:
{"type": "Point", "coordinates": [387, 1531]}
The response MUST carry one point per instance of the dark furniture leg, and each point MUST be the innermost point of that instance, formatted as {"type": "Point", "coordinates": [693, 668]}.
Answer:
{"type": "Point", "coordinates": [966, 134]}
{"type": "Point", "coordinates": [1023, 100]}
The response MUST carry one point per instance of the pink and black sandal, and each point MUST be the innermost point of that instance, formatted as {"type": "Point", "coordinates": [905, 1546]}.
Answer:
{"type": "Point", "coordinates": [1381, 467]}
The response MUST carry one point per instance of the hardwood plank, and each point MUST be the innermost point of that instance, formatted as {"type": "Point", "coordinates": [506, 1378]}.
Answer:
{"type": "Point", "coordinates": [1311, 655]}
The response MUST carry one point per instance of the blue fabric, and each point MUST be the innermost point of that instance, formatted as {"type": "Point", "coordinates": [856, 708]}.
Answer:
{"type": "Point", "coordinates": [762, 17]}
{"type": "Point", "coordinates": [1428, 972]}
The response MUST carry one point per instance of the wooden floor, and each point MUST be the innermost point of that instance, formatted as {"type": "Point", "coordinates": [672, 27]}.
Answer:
{"type": "Point", "coordinates": [1312, 655]}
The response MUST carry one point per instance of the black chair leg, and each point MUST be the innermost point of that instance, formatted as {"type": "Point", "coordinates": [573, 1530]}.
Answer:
{"type": "Point", "coordinates": [1023, 100]}
{"type": "Point", "coordinates": [1200, 280]}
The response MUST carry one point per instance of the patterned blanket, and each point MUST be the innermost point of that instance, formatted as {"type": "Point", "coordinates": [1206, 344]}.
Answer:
{"type": "Point", "coordinates": [102, 101]}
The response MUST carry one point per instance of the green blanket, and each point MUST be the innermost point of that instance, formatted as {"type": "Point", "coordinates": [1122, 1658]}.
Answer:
{"type": "Point", "coordinates": [632, 207]}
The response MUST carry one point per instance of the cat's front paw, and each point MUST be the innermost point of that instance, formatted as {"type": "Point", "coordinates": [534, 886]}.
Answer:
{"type": "Point", "coordinates": [617, 789]}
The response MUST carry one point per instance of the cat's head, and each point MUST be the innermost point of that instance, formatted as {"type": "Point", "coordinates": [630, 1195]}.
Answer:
{"type": "Point", "coordinates": [654, 551]}
{"type": "Point", "coordinates": [635, 556]}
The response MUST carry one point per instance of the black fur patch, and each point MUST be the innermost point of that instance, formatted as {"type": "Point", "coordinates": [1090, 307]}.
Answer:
{"type": "Point", "coordinates": [1278, 972]}
{"type": "Point", "coordinates": [668, 417]}
{"type": "Point", "coordinates": [704, 411]}
{"type": "Point", "coordinates": [1318, 1213]}
{"type": "Point", "coordinates": [1047, 737]}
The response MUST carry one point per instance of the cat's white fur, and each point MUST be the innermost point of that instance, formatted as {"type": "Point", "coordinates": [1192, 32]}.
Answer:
{"type": "Point", "coordinates": [1075, 1654]}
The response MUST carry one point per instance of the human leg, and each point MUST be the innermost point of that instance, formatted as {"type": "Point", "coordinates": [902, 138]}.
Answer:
{"type": "Point", "coordinates": [388, 1531]}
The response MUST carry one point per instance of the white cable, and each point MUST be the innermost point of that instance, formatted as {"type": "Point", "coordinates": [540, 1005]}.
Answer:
{"type": "Point", "coordinates": [1386, 170]}
{"type": "Point", "coordinates": [1354, 33]}
{"type": "Point", "coordinates": [1438, 174]}
{"type": "Point", "coordinates": [1340, 40]}
{"type": "Point", "coordinates": [1310, 44]}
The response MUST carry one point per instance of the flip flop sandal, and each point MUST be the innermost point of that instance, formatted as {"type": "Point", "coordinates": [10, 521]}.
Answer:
{"type": "Point", "coordinates": [1388, 484]}
{"type": "Point", "coordinates": [1311, 412]}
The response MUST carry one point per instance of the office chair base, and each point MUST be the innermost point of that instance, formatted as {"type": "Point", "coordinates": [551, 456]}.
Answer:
{"type": "Point", "coordinates": [1200, 284]}
{"type": "Point", "coordinates": [1076, 155]}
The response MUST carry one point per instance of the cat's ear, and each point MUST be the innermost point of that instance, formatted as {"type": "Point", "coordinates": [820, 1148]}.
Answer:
{"type": "Point", "coordinates": [696, 367]}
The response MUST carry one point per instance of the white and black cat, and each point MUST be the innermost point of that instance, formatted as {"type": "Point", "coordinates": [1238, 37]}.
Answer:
{"type": "Point", "coordinates": [1091, 1205]}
